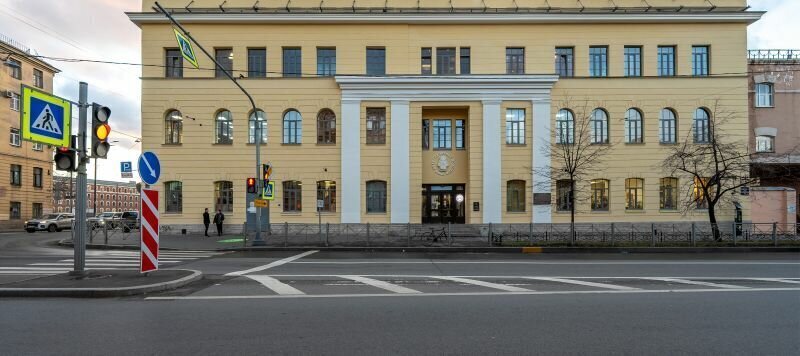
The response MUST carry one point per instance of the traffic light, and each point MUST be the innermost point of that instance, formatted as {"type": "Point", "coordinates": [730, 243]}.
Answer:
{"type": "Point", "coordinates": [251, 185]}
{"type": "Point", "coordinates": [66, 158]}
{"type": "Point", "coordinates": [100, 131]}
{"type": "Point", "coordinates": [266, 170]}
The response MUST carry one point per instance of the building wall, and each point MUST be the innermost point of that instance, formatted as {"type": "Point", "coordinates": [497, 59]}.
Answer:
{"type": "Point", "coordinates": [774, 205]}
{"type": "Point", "coordinates": [24, 155]}
{"type": "Point", "coordinates": [197, 162]}
{"type": "Point", "coordinates": [784, 115]}
{"type": "Point", "coordinates": [111, 196]}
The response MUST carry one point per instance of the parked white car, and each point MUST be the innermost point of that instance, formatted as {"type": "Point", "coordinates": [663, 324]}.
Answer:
{"type": "Point", "coordinates": [50, 222]}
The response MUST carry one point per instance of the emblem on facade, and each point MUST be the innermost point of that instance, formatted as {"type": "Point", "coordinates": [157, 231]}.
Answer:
{"type": "Point", "coordinates": [443, 163]}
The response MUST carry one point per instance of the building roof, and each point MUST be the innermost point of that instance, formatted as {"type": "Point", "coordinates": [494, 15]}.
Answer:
{"type": "Point", "coordinates": [773, 56]}
{"type": "Point", "coordinates": [24, 52]}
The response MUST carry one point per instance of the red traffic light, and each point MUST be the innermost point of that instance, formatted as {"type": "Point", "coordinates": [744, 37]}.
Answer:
{"type": "Point", "coordinates": [251, 185]}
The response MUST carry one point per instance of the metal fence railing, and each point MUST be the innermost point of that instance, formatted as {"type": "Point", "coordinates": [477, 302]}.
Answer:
{"type": "Point", "coordinates": [582, 234]}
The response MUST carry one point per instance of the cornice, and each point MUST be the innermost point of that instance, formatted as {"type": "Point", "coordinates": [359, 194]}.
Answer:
{"type": "Point", "coordinates": [447, 88]}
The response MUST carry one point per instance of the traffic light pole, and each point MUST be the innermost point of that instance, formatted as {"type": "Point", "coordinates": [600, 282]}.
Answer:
{"type": "Point", "coordinates": [258, 241]}
{"type": "Point", "coordinates": [79, 237]}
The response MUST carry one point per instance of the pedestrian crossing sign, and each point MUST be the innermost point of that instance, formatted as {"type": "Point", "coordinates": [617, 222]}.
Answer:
{"type": "Point", "coordinates": [186, 48]}
{"type": "Point", "coordinates": [269, 191]}
{"type": "Point", "coordinates": [45, 118]}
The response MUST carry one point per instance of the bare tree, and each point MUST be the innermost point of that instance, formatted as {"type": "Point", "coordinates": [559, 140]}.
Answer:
{"type": "Point", "coordinates": [581, 142]}
{"type": "Point", "coordinates": [717, 164]}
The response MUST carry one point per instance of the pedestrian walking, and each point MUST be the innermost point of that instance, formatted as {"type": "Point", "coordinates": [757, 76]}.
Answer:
{"type": "Point", "coordinates": [206, 220]}
{"type": "Point", "coordinates": [218, 219]}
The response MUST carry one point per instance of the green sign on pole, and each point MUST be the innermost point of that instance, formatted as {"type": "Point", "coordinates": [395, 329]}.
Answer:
{"type": "Point", "coordinates": [186, 48]}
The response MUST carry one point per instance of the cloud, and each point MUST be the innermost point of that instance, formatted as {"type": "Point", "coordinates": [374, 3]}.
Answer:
{"type": "Point", "coordinates": [778, 28]}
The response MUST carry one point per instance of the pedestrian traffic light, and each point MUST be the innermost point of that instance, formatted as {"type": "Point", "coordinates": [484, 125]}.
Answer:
{"type": "Point", "coordinates": [100, 131]}
{"type": "Point", "coordinates": [266, 172]}
{"type": "Point", "coordinates": [251, 185]}
{"type": "Point", "coordinates": [66, 158]}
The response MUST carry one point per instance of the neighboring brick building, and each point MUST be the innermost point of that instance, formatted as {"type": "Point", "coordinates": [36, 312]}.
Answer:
{"type": "Point", "coordinates": [775, 119]}
{"type": "Point", "coordinates": [26, 190]}
{"type": "Point", "coordinates": [111, 196]}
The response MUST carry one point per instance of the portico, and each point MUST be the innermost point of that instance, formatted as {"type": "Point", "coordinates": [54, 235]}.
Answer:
{"type": "Point", "coordinates": [483, 97]}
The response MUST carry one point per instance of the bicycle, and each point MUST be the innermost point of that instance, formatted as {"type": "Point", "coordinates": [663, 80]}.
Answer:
{"type": "Point", "coordinates": [434, 235]}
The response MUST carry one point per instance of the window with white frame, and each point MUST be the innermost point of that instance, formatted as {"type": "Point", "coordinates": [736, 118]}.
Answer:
{"type": "Point", "coordinates": [515, 126]}
{"type": "Point", "coordinates": [37, 146]}
{"type": "Point", "coordinates": [15, 101]}
{"type": "Point", "coordinates": [14, 137]}
{"type": "Point", "coordinates": [765, 144]}
{"type": "Point", "coordinates": [765, 97]}
{"type": "Point", "coordinates": [565, 127]}
{"type": "Point", "coordinates": [633, 126]}
{"type": "Point", "coordinates": [599, 124]}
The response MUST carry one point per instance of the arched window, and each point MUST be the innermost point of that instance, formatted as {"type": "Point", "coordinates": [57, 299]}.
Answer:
{"type": "Point", "coordinates": [173, 127]}
{"type": "Point", "coordinates": [634, 194]}
{"type": "Point", "coordinates": [515, 196]}
{"type": "Point", "coordinates": [702, 130]}
{"type": "Point", "coordinates": [257, 116]}
{"type": "Point", "coordinates": [292, 196]}
{"type": "Point", "coordinates": [600, 194]}
{"type": "Point", "coordinates": [667, 126]}
{"type": "Point", "coordinates": [326, 191]}
{"type": "Point", "coordinates": [599, 124]}
{"type": "Point", "coordinates": [764, 95]}
{"type": "Point", "coordinates": [223, 196]}
{"type": "Point", "coordinates": [173, 196]}
{"type": "Point", "coordinates": [224, 127]}
{"type": "Point", "coordinates": [376, 196]}
{"type": "Point", "coordinates": [292, 127]}
{"type": "Point", "coordinates": [633, 126]}
{"type": "Point", "coordinates": [565, 127]}
{"type": "Point", "coordinates": [326, 127]}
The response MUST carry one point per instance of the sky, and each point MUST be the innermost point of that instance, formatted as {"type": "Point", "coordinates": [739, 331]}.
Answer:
{"type": "Point", "coordinates": [99, 29]}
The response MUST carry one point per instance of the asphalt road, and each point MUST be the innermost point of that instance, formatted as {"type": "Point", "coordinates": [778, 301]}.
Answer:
{"type": "Point", "coordinates": [460, 304]}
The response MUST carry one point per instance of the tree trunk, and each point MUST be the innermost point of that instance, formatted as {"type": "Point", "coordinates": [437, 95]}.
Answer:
{"type": "Point", "coordinates": [712, 218]}
{"type": "Point", "coordinates": [572, 211]}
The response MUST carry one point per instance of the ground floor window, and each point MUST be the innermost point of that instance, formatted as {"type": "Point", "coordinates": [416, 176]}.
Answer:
{"type": "Point", "coordinates": [326, 191]}
{"type": "Point", "coordinates": [15, 210]}
{"type": "Point", "coordinates": [173, 197]}
{"type": "Point", "coordinates": [668, 193]}
{"type": "Point", "coordinates": [37, 210]}
{"type": "Point", "coordinates": [223, 196]}
{"type": "Point", "coordinates": [634, 194]}
{"type": "Point", "coordinates": [515, 196]}
{"type": "Point", "coordinates": [564, 195]}
{"type": "Point", "coordinates": [292, 196]}
{"type": "Point", "coordinates": [376, 196]}
{"type": "Point", "coordinates": [600, 194]}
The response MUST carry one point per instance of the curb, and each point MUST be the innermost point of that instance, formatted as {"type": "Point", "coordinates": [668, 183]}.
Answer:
{"type": "Point", "coordinates": [528, 250]}
{"type": "Point", "coordinates": [101, 292]}
{"type": "Point", "coordinates": [67, 243]}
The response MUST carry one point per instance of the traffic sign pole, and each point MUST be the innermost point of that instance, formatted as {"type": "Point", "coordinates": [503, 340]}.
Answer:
{"type": "Point", "coordinates": [79, 237]}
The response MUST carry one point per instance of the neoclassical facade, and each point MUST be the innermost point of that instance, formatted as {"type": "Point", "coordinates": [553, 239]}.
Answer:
{"type": "Point", "coordinates": [441, 112]}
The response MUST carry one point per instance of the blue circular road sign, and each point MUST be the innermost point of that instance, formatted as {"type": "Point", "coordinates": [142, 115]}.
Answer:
{"type": "Point", "coordinates": [149, 167]}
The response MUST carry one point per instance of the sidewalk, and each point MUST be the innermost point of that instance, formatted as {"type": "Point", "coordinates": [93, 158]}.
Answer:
{"type": "Point", "coordinates": [167, 242]}
{"type": "Point", "coordinates": [100, 283]}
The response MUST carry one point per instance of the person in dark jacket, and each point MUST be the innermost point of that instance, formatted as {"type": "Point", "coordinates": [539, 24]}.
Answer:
{"type": "Point", "coordinates": [206, 220]}
{"type": "Point", "coordinates": [218, 219]}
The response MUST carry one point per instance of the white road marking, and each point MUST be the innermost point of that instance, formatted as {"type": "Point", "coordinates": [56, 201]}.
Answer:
{"type": "Point", "coordinates": [554, 262]}
{"type": "Point", "coordinates": [583, 283]}
{"type": "Point", "coordinates": [599, 291]}
{"type": "Point", "coordinates": [272, 264]}
{"type": "Point", "coordinates": [781, 280]}
{"type": "Point", "coordinates": [34, 268]}
{"type": "Point", "coordinates": [90, 260]}
{"type": "Point", "coordinates": [89, 264]}
{"type": "Point", "coordinates": [276, 285]}
{"type": "Point", "coordinates": [483, 283]}
{"type": "Point", "coordinates": [382, 284]}
{"type": "Point", "coordinates": [698, 283]}
{"type": "Point", "coordinates": [523, 277]}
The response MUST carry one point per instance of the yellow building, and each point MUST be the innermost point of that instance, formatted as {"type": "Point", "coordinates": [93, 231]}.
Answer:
{"type": "Point", "coordinates": [436, 110]}
{"type": "Point", "coordinates": [28, 190]}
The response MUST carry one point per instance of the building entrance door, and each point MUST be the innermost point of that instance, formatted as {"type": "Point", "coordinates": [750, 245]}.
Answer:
{"type": "Point", "coordinates": [442, 204]}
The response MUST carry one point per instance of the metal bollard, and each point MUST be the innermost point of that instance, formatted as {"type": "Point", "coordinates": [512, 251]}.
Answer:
{"type": "Point", "coordinates": [285, 234]}
{"type": "Point", "coordinates": [105, 234]}
{"type": "Point", "coordinates": [367, 234]}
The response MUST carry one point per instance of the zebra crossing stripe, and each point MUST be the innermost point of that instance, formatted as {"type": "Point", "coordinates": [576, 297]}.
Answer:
{"type": "Point", "coordinates": [382, 285]}
{"type": "Point", "coordinates": [276, 285]}
{"type": "Point", "coordinates": [483, 284]}
{"type": "Point", "coordinates": [582, 283]}
{"type": "Point", "coordinates": [697, 283]}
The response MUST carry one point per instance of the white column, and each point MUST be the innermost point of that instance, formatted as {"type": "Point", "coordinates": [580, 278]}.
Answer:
{"type": "Point", "coordinates": [350, 195]}
{"type": "Point", "coordinates": [492, 137]}
{"type": "Point", "coordinates": [541, 159]}
{"type": "Point", "coordinates": [401, 178]}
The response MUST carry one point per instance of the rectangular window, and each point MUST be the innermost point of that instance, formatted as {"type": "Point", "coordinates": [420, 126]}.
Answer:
{"type": "Point", "coordinates": [765, 144]}
{"type": "Point", "coordinates": [14, 138]}
{"type": "Point", "coordinates": [38, 78]}
{"type": "Point", "coordinates": [16, 175]}
{"type": "Point", "coordinates": [376, 61]}
{"type": "Point", "coordinates": [445, 61]}
{"type": "Point", "coordinates": [565, 65]}
{"type": "Point", "coordinates": [426, 134]}
{"type": "Point", "coordinates": [442, 134]}
{"type": "Point", "coordinates": [426, 61]}
{"type": "Point", "coordinates": [699, 195]}
{"type": "Point", "coordinates": [461, 134]}
{"type": "Point", "coordinates": [37, 146]}
{"type": "Point", "coordinates": [36, 210]}
{"type": "Point", "coordinates": [700, 61]}
{"type": "Point", "coordinates": [326, 191]}
{"type": "Point", "coordinates": [634, 194]}
{"type": "Point", "coordinates": [376, 196]}
{"type": "Point", "coordinates": [764, 95]}
{"type": "Point", "coordinates": [666, 61]}
{"type": "Point", "coordinates": [515, 126]}
{"type": "Point", "coordinates": [326, 62]}
{"type": "Point", "coordinates": [515, 196]}
{"type": "Point", "coordinates": [466, 65]}
{"type": "Point", "coordinates": [564, 195]}
{"type": "Point", "coordinates": [600, 189]}
{"type": "Point", "coordinates": [598, 61]}
{"type": "Point", "coordinates": [223, 196]}
{"type": "Point", "coordinates": [633, 61]}
{"type": "Point", "coordinates": [173, 68]}
{"type": "Point", "coordinates": [256, 62]}
{"type": "Point", "coordinates": [173, 197]}
{"type": "Point", "coordinates": [292, 196]}
{"type": "Point", "coordinates": [15, 101]}
{"type": "Point", "coordinates": [15, 212]}
{"type": "Point", "coordinates": [224, 57]}
{"type": "Point", "coordinates": [37, 177]}
{"type": "Point", "coordinates": [292, 62]}
{"type": "Point", "coordinates": [14, 68]}
{"type": "Point", "coordinates": [515, 60]}
{"type": "Point", "coordinates": [376, 125]}
{"type": "Point", "coordinates": [668, 193]}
